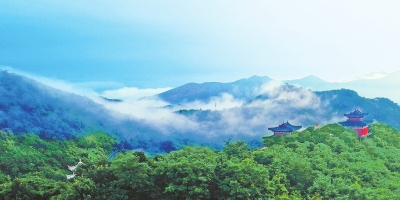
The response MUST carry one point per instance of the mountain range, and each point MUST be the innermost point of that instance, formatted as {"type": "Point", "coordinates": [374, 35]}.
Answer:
{"type": "Point", "coordinates": [378, 85]}
{"type": "Point", "coordinates": [386, 85]}
{"type": "Point", "coordinates": [333, 99]}
{"type": "Point", "coordinates": [29, 106]}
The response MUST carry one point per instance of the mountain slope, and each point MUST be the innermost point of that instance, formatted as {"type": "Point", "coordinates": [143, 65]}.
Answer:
{"type": "Point", "coordinates": [383, 86]}
{"type": "Point", "coordinates": [312, 82]}
{"type": "Point", "coordinates": [387, 86]}
{"type": "Point", "coordinates": [29, 106]}
{"type": "Point", "coordinates": [379, 109]}
{"type": "Point", "coordinates": [300, 106]}
{"type": "Point", "coordinates": [247, 89]}
{"type": "Point", "coordinates": [241, 89]}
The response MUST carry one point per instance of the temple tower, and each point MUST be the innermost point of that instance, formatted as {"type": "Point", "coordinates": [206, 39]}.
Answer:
{"type": "Point", "coordinates": [355, 121]}
{"type": "Point", "coordinates": [284, 128]}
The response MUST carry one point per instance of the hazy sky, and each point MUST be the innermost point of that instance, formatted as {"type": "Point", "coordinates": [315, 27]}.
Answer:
{"type": "Point", "coordinates": [169, 43]}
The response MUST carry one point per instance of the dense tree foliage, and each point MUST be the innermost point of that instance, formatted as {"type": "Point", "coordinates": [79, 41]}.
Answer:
{"type": "Point", "coordinates": [333, 163]}
{"type": "Point", "coordinates": [318, 163]}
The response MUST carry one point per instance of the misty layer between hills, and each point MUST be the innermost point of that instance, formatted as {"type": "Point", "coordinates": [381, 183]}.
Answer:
{"type": "Point", "coordinates": [28, 106]}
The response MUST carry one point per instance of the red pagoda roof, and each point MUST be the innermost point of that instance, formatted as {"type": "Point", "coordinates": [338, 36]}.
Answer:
{"type": "Point", "coordinates": [356, 114]}
{"type": "Point", "coordinates": [350, 123]}
{"type": "Point", "coordinates": [285, 127]}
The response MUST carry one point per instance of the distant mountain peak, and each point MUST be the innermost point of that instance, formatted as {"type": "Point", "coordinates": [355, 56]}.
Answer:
{"type": "Point", "coordinates": [312, 78]}
{"type": "Point", "coordinates": [255, 78]}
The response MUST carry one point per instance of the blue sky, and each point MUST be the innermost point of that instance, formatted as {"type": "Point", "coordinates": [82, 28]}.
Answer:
{"type": "Point", "coordinates": [150, 44]}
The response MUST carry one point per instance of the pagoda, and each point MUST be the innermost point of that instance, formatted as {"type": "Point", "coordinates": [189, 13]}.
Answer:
{"type": "Point", "coordinates": [355, 121]}
{"type": "Point", "coordinates": [284, 128]}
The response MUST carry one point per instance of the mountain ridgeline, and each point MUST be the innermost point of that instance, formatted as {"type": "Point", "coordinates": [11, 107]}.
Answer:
{"type": "Point", "coordinates": [246, 89]}
{"type": "Point", "coordinates": [241, 89]}
{"type": "Point", "coordinates": [385, 86]}
{"type": "Point", "coordinates": [28, 106]}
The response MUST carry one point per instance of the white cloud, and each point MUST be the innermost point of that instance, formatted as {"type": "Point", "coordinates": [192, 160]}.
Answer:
{"type": "Point", "coordinates": [56, 83]}
{"type": "Point", "coordinates": [369, 76]}
{"type": "Point", "coordinates": [132, 93]}
{"type": "Point", "coordinates": [277, 93]}
{"type": "Point", "coordinates": [90, 88]}
{"type": "Point", "coordinates": [224, 101]}
{"type": "Point", "coordinates": [99, 85]}
{"type": "Point", "coordinates": [151, 112]}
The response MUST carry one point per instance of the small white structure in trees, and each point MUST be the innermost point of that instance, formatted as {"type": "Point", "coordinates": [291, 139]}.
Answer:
{"type": "Point", "coordinates": [71, 176]}
{"type": "Point", "coordinates": [73, 168]}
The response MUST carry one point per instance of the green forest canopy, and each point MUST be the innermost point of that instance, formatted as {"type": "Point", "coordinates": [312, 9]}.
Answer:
{"type": "Point", "coordinates": [325, 163]}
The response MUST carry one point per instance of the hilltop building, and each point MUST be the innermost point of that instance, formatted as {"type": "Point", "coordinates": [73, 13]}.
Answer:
{"type": "Point", "coordinates": [284, 128]}
{"type": "Point", "coordinates": [356, 121]}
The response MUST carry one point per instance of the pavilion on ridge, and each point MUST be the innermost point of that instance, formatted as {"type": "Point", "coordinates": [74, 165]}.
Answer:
{"type": "Point", "coordinates": [356, 121]}
{"type": "Point", "coordinates": [284, 128]}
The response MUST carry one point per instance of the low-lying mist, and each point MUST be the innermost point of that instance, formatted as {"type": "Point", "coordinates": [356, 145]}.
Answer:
{"type": "Point", "coordinates": [224, 117]}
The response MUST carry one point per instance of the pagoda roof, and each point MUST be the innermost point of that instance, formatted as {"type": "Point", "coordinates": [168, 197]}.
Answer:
{"type": "Point", "coordinates": [285, 127]}
{"type": "Point", "coordinates": [356, 114]}
{"type": "Point", "coordinates": [350, 123]}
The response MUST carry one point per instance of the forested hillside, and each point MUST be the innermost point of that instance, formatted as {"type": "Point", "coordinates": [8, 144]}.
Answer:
{"type": "Point", "coordinates": [324, 163]}
{"type": "Point", "coordinates": [29, 106]}
{"type": "Point", "coordinates": [380, 109]}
